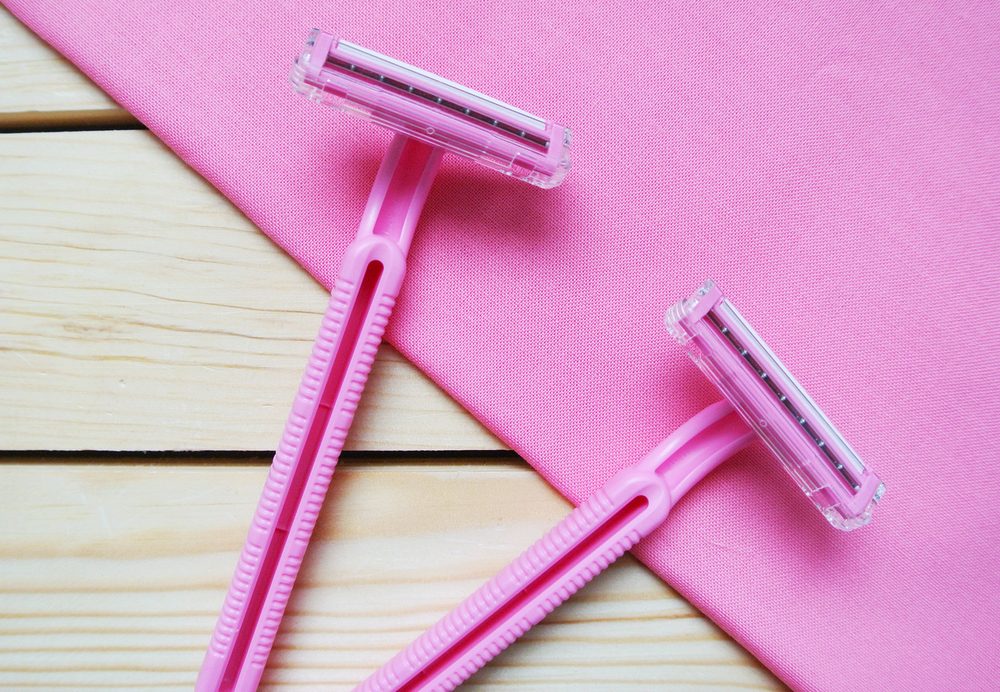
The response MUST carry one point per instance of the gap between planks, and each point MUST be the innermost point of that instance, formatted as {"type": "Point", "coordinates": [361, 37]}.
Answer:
{"type": "Point", "coordinates": [61, 121]}
{"type": "Point", "coordinates": [451, 459]}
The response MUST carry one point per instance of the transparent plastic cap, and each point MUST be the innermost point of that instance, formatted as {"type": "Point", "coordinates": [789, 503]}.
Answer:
{"type": "Point", "coordinates": [437, 111]}
{"type": "Point", "coordinates": [734, 357]}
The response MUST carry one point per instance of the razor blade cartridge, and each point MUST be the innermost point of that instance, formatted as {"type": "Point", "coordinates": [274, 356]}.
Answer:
{"type": "Point", "coordinates": [441, 113]}
{"type": "Point", "coordinates": [775, 405]}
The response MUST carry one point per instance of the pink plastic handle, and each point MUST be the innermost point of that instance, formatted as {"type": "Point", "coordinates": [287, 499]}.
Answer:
{"type": "Point", "coordinates": [594, 535]}
{"type": "Point", "coordinates": [360, 304]}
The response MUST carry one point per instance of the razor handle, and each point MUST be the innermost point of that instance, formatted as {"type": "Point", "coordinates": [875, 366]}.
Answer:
{"type": "Point", "coordinates": [362, 299]}
{"type": "Point", "coordinates": [631, 505]}
{"type": "Point", "coordinates": [360, 304]}
{"type": "Point", "coordinates": [572, 553]}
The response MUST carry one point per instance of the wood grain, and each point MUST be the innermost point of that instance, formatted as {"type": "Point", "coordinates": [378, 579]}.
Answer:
{"type": "Point", "coordinates": [112, 576]}
{"type": "Point", "coordinates": [34, 80]}
{"type": "Point", "coordinates": [133, 315]}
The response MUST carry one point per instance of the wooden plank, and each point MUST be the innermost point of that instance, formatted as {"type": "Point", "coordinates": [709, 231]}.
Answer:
{"type": "Point", "coordinates": [35, 78]}
{"type": "Point", "coordinates": [113, 575]}
{"type": "Point", "coordinates": [133, 317]}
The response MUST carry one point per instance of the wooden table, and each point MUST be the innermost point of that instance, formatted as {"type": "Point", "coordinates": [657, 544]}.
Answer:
{"type": "Point", "coordinates": [145, 373]}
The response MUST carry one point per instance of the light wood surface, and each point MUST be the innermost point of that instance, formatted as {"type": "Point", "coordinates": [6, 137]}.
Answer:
{"type": "Point", "coordinates": [36, 80]}
{"type": "Point", "coordinates": [131, 318]}
{"type": "Point", "coordinates": [113, 576]}
{"type": "Point", "coordinates": [135, 318]}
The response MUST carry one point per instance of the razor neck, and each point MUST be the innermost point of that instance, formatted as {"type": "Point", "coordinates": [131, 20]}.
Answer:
{"type": "Point", "coordinates": [706, 440]}
{"type": "Point", "coordinates": [400, 190]}
{"type": "Point", "coordinates": [674, 466]}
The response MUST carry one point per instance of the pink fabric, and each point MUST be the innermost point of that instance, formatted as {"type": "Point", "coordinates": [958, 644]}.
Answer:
{"type": "Point", "coordinates": [833, 165]}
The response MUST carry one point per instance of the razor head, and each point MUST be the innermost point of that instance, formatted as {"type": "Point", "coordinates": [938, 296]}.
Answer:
{"type": "Point", "coordinates": [773, 403]}
{"type": "Point", "coordinates": [434, 110]}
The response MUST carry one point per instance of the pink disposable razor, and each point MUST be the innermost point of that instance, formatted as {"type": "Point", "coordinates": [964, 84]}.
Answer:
{"type": "Point", "coordinates": [761, 397]}
{"type": "Point", "coordinates": [430, 116]}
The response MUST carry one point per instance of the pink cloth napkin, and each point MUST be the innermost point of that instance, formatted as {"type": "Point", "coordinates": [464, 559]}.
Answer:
{"type": "Point", "coordinates": [833, 165]}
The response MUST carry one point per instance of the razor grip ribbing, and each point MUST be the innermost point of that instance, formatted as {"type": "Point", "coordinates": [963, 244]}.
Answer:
{"type": "Point", "coordinates": [360, 305]}
{"type": "Point", "coordinates": [566, 558]}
